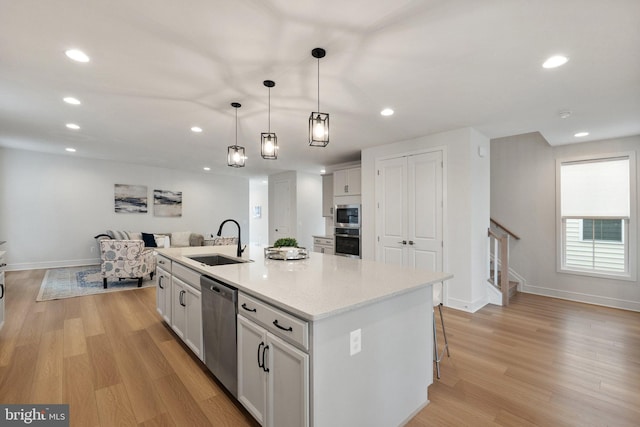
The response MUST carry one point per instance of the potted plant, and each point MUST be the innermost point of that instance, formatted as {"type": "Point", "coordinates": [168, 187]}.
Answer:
{"type": "Point", "coordinates": [286, 242]}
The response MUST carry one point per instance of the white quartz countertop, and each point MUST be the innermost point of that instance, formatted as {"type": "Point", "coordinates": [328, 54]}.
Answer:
{"type": "Point", "coordinates": [314, 288]}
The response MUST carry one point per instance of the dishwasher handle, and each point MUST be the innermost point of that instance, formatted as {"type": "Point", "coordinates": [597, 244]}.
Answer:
{"type": "Point", "coordinates": [218, 287]}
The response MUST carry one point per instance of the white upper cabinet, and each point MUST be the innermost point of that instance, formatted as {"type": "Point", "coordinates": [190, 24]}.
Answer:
{"type": "Point", "coordinates": [327, 195]}
{"type": "Point", "coordinates": [347, 182]}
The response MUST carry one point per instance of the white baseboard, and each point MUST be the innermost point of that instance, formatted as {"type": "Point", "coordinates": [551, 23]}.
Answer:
{"type": "Point", "coordinates": [581, 297]}
{"type": "Point", "coordinates": [52, 264]}
{"type": "Point", "coordinates": [467, 306]}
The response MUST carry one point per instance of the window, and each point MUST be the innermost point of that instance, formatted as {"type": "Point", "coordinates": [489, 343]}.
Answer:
{"type": "Point", "coordinates": [595, 204]}
{"type": "Point", "coordinates": [605, 230]}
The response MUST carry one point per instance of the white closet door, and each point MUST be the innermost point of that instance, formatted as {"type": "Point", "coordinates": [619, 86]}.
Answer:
{"type": "Point", "coordinates": [391, 206]}
{"type": "Point", "coordinates": [409, 210]}
{"type": "Point", "coordinates": [425, 208]}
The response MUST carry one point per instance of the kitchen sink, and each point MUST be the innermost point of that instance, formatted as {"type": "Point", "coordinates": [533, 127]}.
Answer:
{"type": "Point", "coordinates": [214, 260]}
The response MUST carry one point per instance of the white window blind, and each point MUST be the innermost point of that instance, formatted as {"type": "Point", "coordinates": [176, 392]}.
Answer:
{"type": "Point", "coordinates": [595, 189]}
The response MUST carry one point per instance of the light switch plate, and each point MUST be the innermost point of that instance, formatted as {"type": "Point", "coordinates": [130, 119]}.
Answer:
{"type": "Point", "coordinates": [355, 342]}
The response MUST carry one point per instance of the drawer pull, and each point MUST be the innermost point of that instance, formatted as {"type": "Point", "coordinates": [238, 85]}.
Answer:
{"type": "Point", "coordinates": [244, 305]}
{"type": "Point", "coordinates": [289, 329]}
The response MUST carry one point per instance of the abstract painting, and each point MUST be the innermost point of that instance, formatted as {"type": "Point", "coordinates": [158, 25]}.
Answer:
{"type": "Point", "coordinates": [130, 198]}
{"type": "Point", "coordinates": [167, 203]}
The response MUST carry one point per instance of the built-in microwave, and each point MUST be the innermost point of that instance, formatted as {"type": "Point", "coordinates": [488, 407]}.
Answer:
{"type": "Point", "coordinates": [347, 216]}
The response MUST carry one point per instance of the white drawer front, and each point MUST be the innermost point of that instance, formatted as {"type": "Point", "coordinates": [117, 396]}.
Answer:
{"type": "Point", "coordinates": [276, 321]}
{"type": "Point", "coordinates": [188, 275]}
{"type": "Point", "coordinates": [322, 241]}
{"type": "Point", "coordinates": [164, 263]}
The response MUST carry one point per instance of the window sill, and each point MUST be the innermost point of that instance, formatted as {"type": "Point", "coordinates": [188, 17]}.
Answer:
{"type": "Point", "coordinates": [627, 277]}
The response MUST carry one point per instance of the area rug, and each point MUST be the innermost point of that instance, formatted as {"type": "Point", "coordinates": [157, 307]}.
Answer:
{"type": "Point", "coordinates": [71, 282]}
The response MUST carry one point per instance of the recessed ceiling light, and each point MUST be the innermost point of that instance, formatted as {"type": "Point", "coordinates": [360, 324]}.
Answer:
{"type": "Point", "coordinates": [73, 126]}
{"type": "Point", "coordinates": [555, 61]}
{"type": "Point", "coordinates": [387, 112]}
{"type": "Point", "coordinates": [581, 134]}
{"type": "Point", "coordinates": [196, 129]}
{"type": "Point", "coordinates": [71, 150]}
{"type": "Point", "coordinates": [207, 168]}
{"type": "Point", "coordinates": [77, 55]}
{"type": "Point", "coordinates": [71, 100]}
{"type": "Point", "coordinates": [565, 114]}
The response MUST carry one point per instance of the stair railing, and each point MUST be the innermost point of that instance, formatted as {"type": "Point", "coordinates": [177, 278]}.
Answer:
{"type": "Point", "coordinates": [499, 274]}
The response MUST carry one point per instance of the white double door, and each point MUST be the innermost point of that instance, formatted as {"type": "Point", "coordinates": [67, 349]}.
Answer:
{"type": "Point", "coordinates": [409, 210]}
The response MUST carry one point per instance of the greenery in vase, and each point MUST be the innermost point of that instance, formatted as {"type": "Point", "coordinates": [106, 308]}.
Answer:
{"type": "Point", "coordinates": [286, 242]}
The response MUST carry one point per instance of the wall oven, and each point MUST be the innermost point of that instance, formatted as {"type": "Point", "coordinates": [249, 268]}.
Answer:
{"type": "Point", "coordinates": [347, 216]}
{"type": "Point", "coordinates": [347, 241]}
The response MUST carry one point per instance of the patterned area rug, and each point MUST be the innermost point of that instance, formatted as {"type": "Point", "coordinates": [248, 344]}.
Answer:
{"type": "Point", "coordinates": [71, 282]}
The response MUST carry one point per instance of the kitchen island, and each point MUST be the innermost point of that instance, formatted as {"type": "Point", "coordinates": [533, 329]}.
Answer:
{"type": "Point", "coordinates": [360, 342]}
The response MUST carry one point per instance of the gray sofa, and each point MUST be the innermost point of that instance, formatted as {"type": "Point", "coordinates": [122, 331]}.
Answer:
{"type": "Point", "coordinates": [176, 239]}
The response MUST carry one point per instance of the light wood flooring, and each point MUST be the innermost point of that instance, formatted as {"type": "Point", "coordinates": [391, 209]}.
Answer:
{"type": "Point", "coordinates": [538, 362]}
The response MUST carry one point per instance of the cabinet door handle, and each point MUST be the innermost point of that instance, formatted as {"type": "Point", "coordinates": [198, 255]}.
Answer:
{"type": "Point", "coordinates": [264, 358]}
{"type": "Point", "coordinates": [160, 282]}
{"type": "Point", "coordinates": [289, 329]}
{"type": "Point", "coordinates": [346, 188]}
{"type": "Point", "coordinates": [160, 262]}
{"type": "Point", "coordinates": [244, 305]}
{"type": "Point", "coordinates": [2, 288]}
{"type": "Point", "coordinates": [411, 242]}
{"type": "Point", "coordinates": [181, 298]}
{"type": "Point", "coordinates": [404, 242]}
{"type": "Point", "coordinates": [260, 364]}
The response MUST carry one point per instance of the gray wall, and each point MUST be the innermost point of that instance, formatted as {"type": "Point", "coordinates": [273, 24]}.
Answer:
{"type": "Point", "coordinates": [51, 206]}
{"type": "Point", "coordinates": [523, 198]}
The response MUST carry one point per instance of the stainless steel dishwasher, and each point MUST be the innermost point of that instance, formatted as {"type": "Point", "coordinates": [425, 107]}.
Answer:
{"type": "Point", "coordinates": [219, 306]}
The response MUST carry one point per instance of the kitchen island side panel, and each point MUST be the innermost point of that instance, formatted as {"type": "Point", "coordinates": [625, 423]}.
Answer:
{"type": "Point", "coordinates": [386, 383]}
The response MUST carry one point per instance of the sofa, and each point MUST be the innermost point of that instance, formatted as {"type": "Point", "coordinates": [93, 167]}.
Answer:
{"type": "Point", "coordinates": [152, 240]}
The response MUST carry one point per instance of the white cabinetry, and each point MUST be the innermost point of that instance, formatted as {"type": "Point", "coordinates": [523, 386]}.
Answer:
{"type": "Point", "coordinates": [327, 195]}
{"type": "Point", "coordinates": [3, 288]}
{"type": "Point", "coordinates": [163, 293]}
{"type": "Point", "coordinates": [324, 245]}
{"type": "Point", "coordinates": [273, 365]}
{"type": "Point", "coordinates": [347, 182]}
{"type": "Point", "coordinates": [178, 300]}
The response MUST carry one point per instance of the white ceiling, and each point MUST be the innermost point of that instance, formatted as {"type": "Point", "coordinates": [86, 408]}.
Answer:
{"type": "Point", "coordinates": [159, 67]}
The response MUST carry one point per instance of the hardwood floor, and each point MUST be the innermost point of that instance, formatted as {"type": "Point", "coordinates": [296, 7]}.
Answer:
{"type": "Point", "coordinates": [540, 361]}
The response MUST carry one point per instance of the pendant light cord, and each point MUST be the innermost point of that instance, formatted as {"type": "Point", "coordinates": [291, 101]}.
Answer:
{"type": "Point", "coordinates": [236, 127]}
{"type": "Point", "coordinates": [269, 110]}
{"type": "Point", "coordinates": [318, 85]}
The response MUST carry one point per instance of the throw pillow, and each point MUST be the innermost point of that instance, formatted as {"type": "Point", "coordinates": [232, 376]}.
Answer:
{"type": "Point", "coordinates": [180, 239]}
{"type": "Point", "coordinates": [134, 235]}
{"type": "Point", "coordinates": [160, 239]}
{"type": "Point", "coordinates": [149, 240]}
{"type": "Point", "coordinates": [118, 235]}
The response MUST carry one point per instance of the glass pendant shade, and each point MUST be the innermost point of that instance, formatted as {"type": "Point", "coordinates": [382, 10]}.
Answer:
{"type": "Point", "coordinates": [318, 129]}
{"type": "Point", "coordinates": [269, 146]}
{"type": "Point", "coordinates": [235, 153]}
{"type": "Point", "coordinates": [235, 156]}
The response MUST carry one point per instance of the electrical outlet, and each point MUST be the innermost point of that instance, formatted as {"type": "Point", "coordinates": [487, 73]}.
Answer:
{"type": "Point", "coordinates": [355, 342]}
{"type": "Point", "coordinates": [92, 249]}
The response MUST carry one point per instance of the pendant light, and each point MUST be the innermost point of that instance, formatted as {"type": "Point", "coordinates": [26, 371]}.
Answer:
{"type": "Point", "coordinates": [269, 140]}
{"type": "Point", "coordinates": [318, 122]}
{"type": "Point", "coordinates": [235, 153]}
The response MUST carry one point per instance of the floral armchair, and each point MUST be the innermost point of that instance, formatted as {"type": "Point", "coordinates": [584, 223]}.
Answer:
{"type": "Point", "coordinates": [126, 259]}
